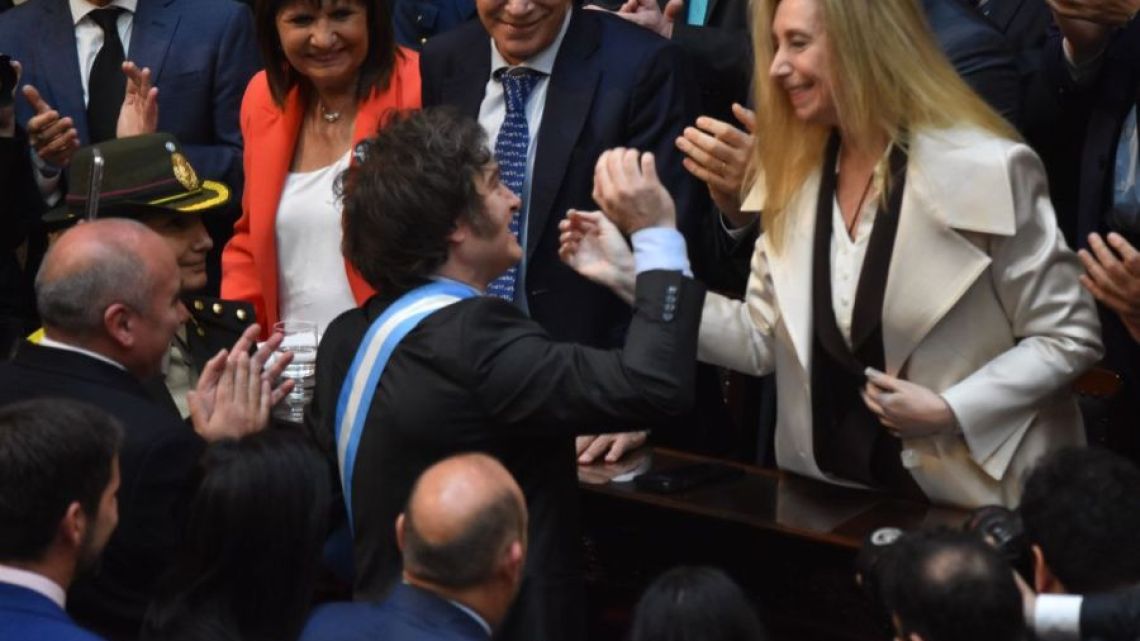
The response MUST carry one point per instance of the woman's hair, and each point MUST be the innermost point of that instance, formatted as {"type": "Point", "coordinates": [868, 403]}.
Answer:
{"type": "Point", "coordinates": [888, 75]}
{"type": "Point", "coordinates": [695, 604]}
{"type": "Point", "coordinates": [248, 561]}
{"type": "Point", "coordinates": [375, 71]}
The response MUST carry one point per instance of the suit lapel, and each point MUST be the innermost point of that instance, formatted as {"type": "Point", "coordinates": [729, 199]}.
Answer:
{"type": "Point", "coordinates": [153, 31]}
{"type": "Point", "coordinates": [59, 65]}
{"type": "Point", "coordinates": [568, 99]}
{"type": "Point", "coordinates": [1001, 12]}
{"type": "Point", "coordinates": [465, 87]}
{"type": "Point", "coordinates": [791, 267]}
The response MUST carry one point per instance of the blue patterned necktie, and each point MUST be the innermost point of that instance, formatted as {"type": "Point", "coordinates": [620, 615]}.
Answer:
{"type": "Point", "coordinates": [510, 152]}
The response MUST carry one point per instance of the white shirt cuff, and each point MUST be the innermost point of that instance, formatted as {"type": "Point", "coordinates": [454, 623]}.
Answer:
{"type": "Point", "coordinates": [1057, 617]}
{"type": "Point", "coordinates": [735, 233]}
{"type": "Point", "coordinates": [660, 248]}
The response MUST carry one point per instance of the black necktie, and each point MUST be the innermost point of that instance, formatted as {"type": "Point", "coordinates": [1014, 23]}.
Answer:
{"type": "Point", "coordinates": [106, 85]}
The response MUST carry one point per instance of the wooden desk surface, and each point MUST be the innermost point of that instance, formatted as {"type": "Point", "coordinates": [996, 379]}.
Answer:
{"type": "Point", "coordinates": [772, 500]}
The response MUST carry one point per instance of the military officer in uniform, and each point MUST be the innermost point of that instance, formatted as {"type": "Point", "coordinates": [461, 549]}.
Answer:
{"type": "Point", "coordinates": [148, 178]}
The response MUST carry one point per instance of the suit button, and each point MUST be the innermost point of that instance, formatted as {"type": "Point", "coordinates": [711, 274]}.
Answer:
{"type": "Point", "coordinates": [667, 316]}
{"type": "Point", "coordinates": [240, 314]}
{"type": "Point", "coordinates": [199, 305]}
{"type": "Point", "coordinates": [217, 308]}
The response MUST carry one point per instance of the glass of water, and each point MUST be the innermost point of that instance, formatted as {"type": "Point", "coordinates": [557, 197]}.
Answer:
{"type": "Point", "coordinates": [301, 339]}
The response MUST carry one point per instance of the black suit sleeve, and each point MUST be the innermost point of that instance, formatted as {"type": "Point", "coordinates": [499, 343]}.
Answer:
{"type": "Point", "coordinates": [524, 379]}
{"type": "Point", "coordinates": [1111, 617]}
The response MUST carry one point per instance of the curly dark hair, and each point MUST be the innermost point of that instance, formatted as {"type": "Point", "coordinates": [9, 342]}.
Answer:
{"type": "Point", "coordinates": [417, 179]}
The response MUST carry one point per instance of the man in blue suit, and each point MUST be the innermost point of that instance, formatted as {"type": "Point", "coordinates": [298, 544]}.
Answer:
{"type": "Point", "coordinates": [463, 537]}
{"type": "Point", "coordinates": [200, 53]}
{"type": "Point", "coordinates": [59, 473]}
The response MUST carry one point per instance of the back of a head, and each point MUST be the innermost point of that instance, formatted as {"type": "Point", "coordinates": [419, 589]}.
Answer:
{"type": "Point", "coordinates": [951, 586]}
{"type": "Point", "coordinates": [53, 452]}
{"type": "Point", "coordinates": [90, 267]}
{"type": "Point", "coordinates": [254, 532]}
{"type": "Point", "coordinates": [1082, 507]}
{"type": "Point", "coordinates": [463, 514]}
{"type": "Point", "coordinates": [417, 179]}
{"type": "Point", "coordinates": [695, 604]}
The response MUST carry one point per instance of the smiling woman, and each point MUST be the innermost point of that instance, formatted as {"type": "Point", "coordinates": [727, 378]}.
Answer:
{"type": "Point", "coordinates": [333, 77]}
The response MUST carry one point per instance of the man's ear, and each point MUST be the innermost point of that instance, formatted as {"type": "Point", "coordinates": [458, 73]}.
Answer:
{"type": "Point", "coordinates": [118, 321]}
{"type": "Point", "coordinates": [514, 558]}
{"type": "Point", "coordinates": [73, 526]}
{"type": "Point", "coordinates": [1044, 581]}
{"type": "Point", "coordinates": [460, 234]}
{"type": "Point", "coordinates": [400, 532]}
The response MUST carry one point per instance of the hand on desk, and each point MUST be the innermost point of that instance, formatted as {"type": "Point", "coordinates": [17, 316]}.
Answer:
{"type": "Point", "coordinates": [906, 409]}
{"type": "Point", "coordinates": [592, 246]}
{"type": "Point", "coordinates": [235, 391]}
{"type": "Point", "coordinates": [610, 447]}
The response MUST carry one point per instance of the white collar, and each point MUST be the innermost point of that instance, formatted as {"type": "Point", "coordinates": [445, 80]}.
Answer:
{"type": "Point", "coordinates": [47, 342]}
{"type": "Point", "coordinates": [542, 61]}
{"type": "Point", "coordinates": [474, 615]}
{"type": "Point", "coordinates": [80, 8]}
{"type": "Point", "coordinates": [37, 583]}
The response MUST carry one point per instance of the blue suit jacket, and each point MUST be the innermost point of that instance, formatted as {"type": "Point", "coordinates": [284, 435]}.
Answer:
{"type": "Point", "coordinates": [408, 614]}
{"type": "Point", "coordinates": [29, 616]}
{"type": "Point", "coordinates": [613, 84]}
{"type": "Point", "coordinates": [201, 54]}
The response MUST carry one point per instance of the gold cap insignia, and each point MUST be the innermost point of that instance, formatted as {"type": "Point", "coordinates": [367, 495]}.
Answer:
{"type": "Point", "coordinates": [184, 173]}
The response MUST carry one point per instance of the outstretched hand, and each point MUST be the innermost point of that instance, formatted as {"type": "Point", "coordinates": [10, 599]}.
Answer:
{"type": "Point", "coordinates": [906, 409]}
{"type": "Point", "coordinates": [592, 246]}
{"type": "Point", "coordinates": [717, 153]}
{"type": "Point", "coordinates": [1112, 275]}
{"type": "Point", "coordinates": [235, 391]}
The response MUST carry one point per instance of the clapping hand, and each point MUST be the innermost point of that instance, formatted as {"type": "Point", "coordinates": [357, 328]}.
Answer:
{"type": "Point", "coordinates": [235, 391]}
{"type": "Point", "coordinates": [1113, 277]}
{"type": "Point", "coordinates": [139, 113]}
{"type": "Point", "coordinates": [1110, 13]}
{"type": "Point", "coordinates": [54, 139]}
{"type": "Point", "coordinates": [592, 246]}
{"type": "Point", "coordinates": [646, 13]}
{"type": "Point", "coordinates": [906, 409]}
{"type": "Point", "coordinates": [717, 153]}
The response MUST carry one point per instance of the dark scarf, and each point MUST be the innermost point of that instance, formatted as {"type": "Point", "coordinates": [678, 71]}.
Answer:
{"type": "Point", "coordinates": [849, 441]}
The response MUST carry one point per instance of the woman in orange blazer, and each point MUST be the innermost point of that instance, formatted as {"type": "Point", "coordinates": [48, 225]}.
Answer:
{"type": "Point", "coordinates": [333, 77]}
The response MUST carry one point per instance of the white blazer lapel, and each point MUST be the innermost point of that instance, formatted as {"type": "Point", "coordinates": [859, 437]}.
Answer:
{"type": "Point", "coordinates": [948, 191]}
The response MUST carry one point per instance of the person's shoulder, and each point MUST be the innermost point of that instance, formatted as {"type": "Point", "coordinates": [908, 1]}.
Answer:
{"type": "Point", "coordinates": [14, 24]}
{"type": "Point", "coordinates": [615, 31]}
{"type": "Point", "coordinates": [965, 144]}
{"type": "Point", "coordinates": [342, 621]}
{"type": "Point", "coordinates": [218, 12]}
{"type": "Point", "coordinates": [455, 42]}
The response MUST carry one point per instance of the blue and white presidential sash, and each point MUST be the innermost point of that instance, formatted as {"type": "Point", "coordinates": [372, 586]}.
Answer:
{"type": "Point", "coordinates": [372, 356]}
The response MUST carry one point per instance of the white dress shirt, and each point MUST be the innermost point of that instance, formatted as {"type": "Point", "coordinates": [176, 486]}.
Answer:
{"type": "Point", "coordinates": [493, 111]}
{"type": "Point", "coordinates": [847, 256]}
{"type": "Point", "coordinates": [312, 282]}
{"type": "Point", "coordinates": [47, 342]}
{"type": "Point", "coordinates": [37, 583]}
{"type": "Point", "coordinates": [89, 36]}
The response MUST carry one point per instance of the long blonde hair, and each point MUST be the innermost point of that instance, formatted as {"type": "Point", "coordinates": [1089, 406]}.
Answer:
{"type": "Point", "coordinates": [887, 75]}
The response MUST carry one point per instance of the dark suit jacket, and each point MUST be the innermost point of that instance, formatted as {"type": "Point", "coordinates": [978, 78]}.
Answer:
{"type": "Point", "coordinates": [20, 210]}
{"type": "Point", "coordinates": [416, 21]}
{"type": "Point", "coordinates": [722, 54]}
{"type": "Point", "coordinates": [201, 54]}
{"type": "Point", "coordinates": [29, 616]}
{"type": "Point", "coordinates": [979, 52]}
{"type": "Point", "coordinates": [480, 376]}
{"type": "Point", "coordinates": [156, 462]}
{"type": "Point", "coordinates": [408, 614]}
{"type": "Point", "coordinates": [1111, 616]}
{"type": "Point", "coordinates": [1091, 118]}
{"type": "Point", "coordinates": [613, 84]}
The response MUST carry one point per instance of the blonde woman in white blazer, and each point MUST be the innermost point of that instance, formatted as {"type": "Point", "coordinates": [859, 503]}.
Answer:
{"type": "Point", "coordinates": [982, 326]}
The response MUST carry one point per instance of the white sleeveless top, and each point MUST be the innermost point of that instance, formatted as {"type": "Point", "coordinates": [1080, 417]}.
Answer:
{"type": "Point", "coordinates": [311, 275]}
